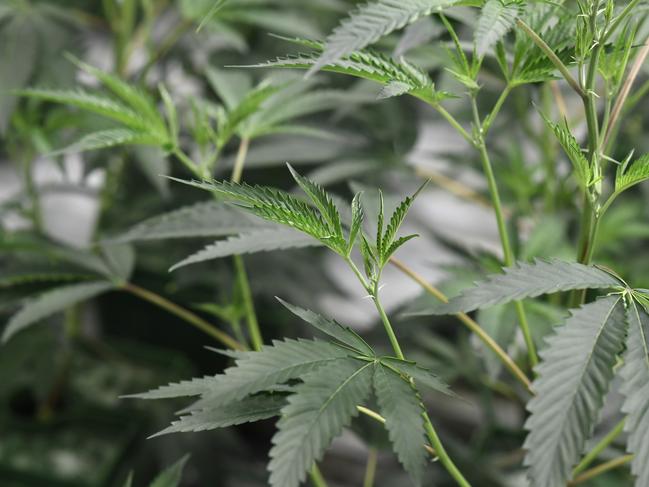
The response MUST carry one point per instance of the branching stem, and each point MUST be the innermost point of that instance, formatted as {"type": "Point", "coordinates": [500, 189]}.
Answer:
{"type": "Point", "coordinates": [599, 448]}
{"type": "Point", "coordinates": [186, 315]}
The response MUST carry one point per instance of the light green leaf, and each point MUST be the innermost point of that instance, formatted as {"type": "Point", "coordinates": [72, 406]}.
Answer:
{"type": "Point", "coordinates": [171, 476]}
{"type": "Point", "coordinates": [251, 242]}
{"type": "Point", "coordinates": [343, 334]}
{"type": "Point", "coordinates": [371, 66]}
{"type": "Point", "coordinates": [120, 259]}
{"type": "Point", "coordinates": [527, 280]}
{"type": "Point", "coordinates": [635, 375]}
{"type": "Point", "coordinates": [497, 18]}
{"type": "Point", "coordinates": [322, 201]}
{"type": "Point", "coordinates": [207, 219]}
{"type": "Point", "coordinates": [573, 379]}
{"type": "Point", "coordinates": [276, 206]}
{"type": "Point", "coordinates": [401, 407]}
{"type": "Point", "coordinates": [135, 98]}
{"type": "Point", "coordinates": [104, 139]}
{"type": "Point", "coordinates": [628, 176]}
{"type": "Point", "coordinates": [573, 151]}
{"type": "Point", "coordinates": [52, 302]}
{"type": "Point", "coordinates": [246, 410]}
{"type": "Point", "coordinates": [387, 244]}
{"type": "Point", "coordinates": [214, 9]}
{"type": "Point", "coordinates": [101, 105]}
{"type": "Point", "coordinates": [357, 221]}
{"type": "Point", "coordinates": [315, 414]}
{"type": "Point", "coordinates": [370, 22]}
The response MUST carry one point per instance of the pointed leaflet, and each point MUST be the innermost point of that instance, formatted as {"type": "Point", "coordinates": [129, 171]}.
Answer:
{"type": "Point", "coordinates": [627, 177]}
{"type": "Point", "coordinates": [387, 244]}
{"type": "Point", "coordinates": [321, 200]}
{"type": "Point", "coordinates": [343, 334]}
{"type": "Point", "coordinates": [401, 407]}
{"type": "Point", "coordinates": [497, 17]}
{"type": "Point", "coordinates": [207, 219]}
{"type": "Point", "coordinates": [171, 476]}
{"type": "Point", "coordinates": [527, 280]}
{"type": "Point", "coordinates": [315, 414]}
{"type": "Point", "coordinates": [52, 302]}
{"type": "Point", "coordinates": [357, 222]}
{"type": "Point", "coordinates": [257, 371]}
{"type": "Point", "coordinates": [101, 105]}
{"type": "Point", "coordinates": [635, 375]}
{"type": "Point", "coordinates": [573, 379]}
{"type": "Point", "coordinates": [572, 150]}
{"type": "Point", "coordinates": [246, 410]}
{"type": "Point", "coordinates": [104, 139]}
{"type": "Point", "coordinates": [250, 242]}
{"type": "Point", "coordinates": [368, 65]}
{"type": "Point", "coordinates": [274, 205]}
{"type": "Point", "coordinates": [370, 22]}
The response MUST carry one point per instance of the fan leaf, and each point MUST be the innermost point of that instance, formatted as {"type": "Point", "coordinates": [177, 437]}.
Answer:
{"type": "Point", "coordinates": [527, 280]}
{"type": "Point", "coordinates": [573, 379]}
{"type": "Point", "coordinates": [497, 18]}
{"type": "Point", "coordinates": [315, 414]}
{"type": "Point", "coordinates": [401, 407]}
{"type": "Point", "coordinates": [635, 375]}
{"type": "Point", "coordinates": [250, 242]}
{"type": "Point", "coordinates": [370, 22]}
{"type": "Point", "coordinates": [247, 410]}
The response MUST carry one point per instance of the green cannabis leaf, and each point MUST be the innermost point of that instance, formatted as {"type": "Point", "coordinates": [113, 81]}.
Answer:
{"type": "Point", "coordinates": [573, 379]}
{"type": "Point", "coordinates": [370, 22]}
{"type": "Point", "coordinates": [635, 375]}
{"type": "Point", "coordinates": [497, 18]}
{"type": "Point", "coordinates": [527, 280]}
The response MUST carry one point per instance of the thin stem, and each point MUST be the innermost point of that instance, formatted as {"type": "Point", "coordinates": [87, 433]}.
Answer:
{"type": "Point", "coordinates": [624, 92]}
{"type": "Point", "coordinates": [240, 161]}
{"type": "Point", "coordinates": [442, 454]}
{"type": "Point", "coordinates": [316, 477]}
{"type": "Point", "coordinates": [372, 414]}
{"type": "Point", "coordinates": [552, 56]}
{"type": "Point", "coordinates": [502, 228]}
{"type": "Point", "coordinates": [472, 325]}
{"type": "Point", "coordinates": [496, 109]}
{"type": "Point", "coordinates": [370, 468]}
{"type": "Point", "coordinates": [599, 448]}
{"type": "Point", "coordinates": [600, 469]}
{"type": "Point", "coordinates": [184, 314]}
{"type": "Point", "coordinates": [186, 160]}
{"type": "Point", "coordinates": [454, 123]}
{"type": "Point", "coordinates": [388, 328]}
{"type": "Point", "coordinates": [248, 304]}
{"type": "Point", "coordinates": [239, 266]}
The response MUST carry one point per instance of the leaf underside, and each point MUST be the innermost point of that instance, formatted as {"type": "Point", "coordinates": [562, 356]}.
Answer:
{"type": "Point", "coordinates": [574, 377]}
{"type": "Point", "coordinates": [635, 375]}
{"type": "Point", "coordinates": [527, 280]}
{"type": "Point", "coordinates": [315, 414]}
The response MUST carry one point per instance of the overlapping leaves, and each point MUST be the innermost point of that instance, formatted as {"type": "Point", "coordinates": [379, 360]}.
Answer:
{"type": "Point", "coordinates": [315, 388]}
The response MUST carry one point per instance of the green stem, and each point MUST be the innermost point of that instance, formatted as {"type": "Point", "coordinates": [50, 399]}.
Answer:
{"type": "Point", "coordinates": [184, 314]}
{"type": "Point", "coordinates": [600, 469]}
{"type": "Point", "coordinates": [388, 328]}
{"type": "Point", "coordinates": [470, 323]}
{"type": "Point", "coordinates": [316, 477]}
{"type": "Point", "coordinates": [454, 123]}
{"type": "Point", "coordinates": [508, 254]}
{"type": "Point", "coordinates": [370, 469]}
{"type": "Point", "coordinates": [442, 454]}
{"type": "Point", "coordinates": [563, 69]}
{"type": "Point", "coordinates": [248, 304]}
{"type": "Point", "coordinates": [599, 448]}
{"type": "Point", "coordinates": [239, 266]}
{"type": "Point", "coordinates": [496, 109]}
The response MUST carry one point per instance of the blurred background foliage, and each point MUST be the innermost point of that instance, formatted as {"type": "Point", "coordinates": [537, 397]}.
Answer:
{"type": "Point", "coordinates": [69, 217]}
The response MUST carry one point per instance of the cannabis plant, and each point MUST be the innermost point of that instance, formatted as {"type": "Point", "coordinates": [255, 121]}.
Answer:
{"type": "Point", "coordinates": [558, 57]}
